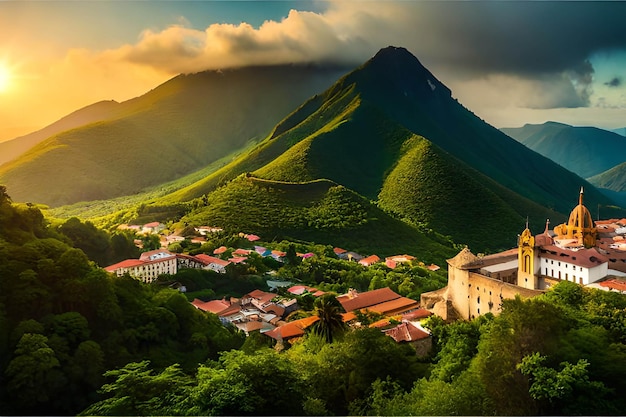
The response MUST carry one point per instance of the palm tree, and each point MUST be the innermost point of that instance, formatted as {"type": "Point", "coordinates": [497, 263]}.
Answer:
{"type": "Point", "coordinates": [330, 322]}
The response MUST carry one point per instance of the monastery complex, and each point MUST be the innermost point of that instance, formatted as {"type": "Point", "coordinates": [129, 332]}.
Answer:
{"type": "Point", "coordinates": [582, 251]}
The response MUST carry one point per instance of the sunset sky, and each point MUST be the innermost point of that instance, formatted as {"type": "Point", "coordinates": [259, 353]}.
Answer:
{"type": "Point", "coordinates": [509, 62]}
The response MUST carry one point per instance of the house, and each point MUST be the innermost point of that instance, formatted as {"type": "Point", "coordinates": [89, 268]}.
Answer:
{"type": "Point", "coordinates": [393, 261]}
{"type": "Point", "coordinates": [152, 228]}
{"type": "Point", "coordinates": [383, 300]}
{"type": "Point", "coordinates": [212, 263]}
{"type": "Point", "coordinates": [148, 267]}
{"type": "Point", "coordinates": [413, 334]}
{"type": "Point", "coordinates": [220, 250]}
{"type": "Point", "coordinates": [213, 306]}
{"type": "Point", "coordinates": [205, 230]}
{"type": "Point", "coordinates": [369, 261]}
{"type": "Point", "coordinates": [341, 253]}
{"type": "Point", "coordinates": [241, 252]}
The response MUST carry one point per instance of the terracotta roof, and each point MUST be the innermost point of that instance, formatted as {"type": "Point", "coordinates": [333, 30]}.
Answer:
{"type": "Point", "coordinates": [241, 252]}
{"type": "Point", "coordinates": [260, 295]}
{"type": "Point", "coordinates": [220, 250]}
{"type": "Point", "coordinates": [614, 284]}
{"type": "Point", "coordinates": [391, 263]}
{"type": "Point", "coordinates": [301, 289]}
{"type": "Point", "coordinates": [401, 258]}
{"type": "Point", "coordinates": [213, 306]}
{"type": "Point", "coordinates": [294, 328]}
{"type": "Point", "coordinates": [279, 253]}
{"type": "Point", "coordinates": [252, 238]}
{"type": "Point", "coordinates": [420, 313]}
{"type": "Point", "coordinates": [211, 260]}
{"type": "Point", "coordinates": [238, 259]}
{"type": "Point", "coordinates": [152, 224]}
{"type": "Point", "coordinates": [367, 299]}
{"type": "Point", "coordinates": [399, 305]}
{"type": "Point", "coordinates": [433, 267]}
{"type": "Point", "coordinates": [406, 332]}
{"type": "Point", "coordinates": [339, 251]}
{"type": "Point", "coordinates": [128, 263]}
{"type": "Point", "coordinates": [370, 260]}
{"type": "Point", "coordinates": [319, 293]}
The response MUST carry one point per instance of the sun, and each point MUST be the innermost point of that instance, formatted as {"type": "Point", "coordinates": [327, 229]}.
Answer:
{"type": "Point", "coordinates": [5, 78]}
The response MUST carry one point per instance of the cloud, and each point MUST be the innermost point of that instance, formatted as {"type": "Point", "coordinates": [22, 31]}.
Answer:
{"type": "Point", "coordinates": [614, 82]}
{"type": "Point", "coordinates": [459, 40]}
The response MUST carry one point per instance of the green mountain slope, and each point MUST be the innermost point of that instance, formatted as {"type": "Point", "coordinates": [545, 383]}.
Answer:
{"type": "Point", "coordinates": [13, 148]}
{"type": "Point", "coordinates": [173, 130]}
{"type": "Point", "coordinates": [614, 179]}
{"type": "Point", "coordinates": [586, 151]}
{"type": "Point", "coordinates": [318, 211]}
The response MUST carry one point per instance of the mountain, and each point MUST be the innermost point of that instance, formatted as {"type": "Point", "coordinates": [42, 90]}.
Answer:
{"type": "Point", "coordinates": [13, 148]}
{"type": "Point", "coordinates": [587, 151]}
{"type": "Point", "coordinates": [613, 179]}
{"type": "Point", "coordinates": [392, 132]}
{"type": "Point", "coordinates": [621, 131]}
{"type": "Point", "coordinates": [175, 129]}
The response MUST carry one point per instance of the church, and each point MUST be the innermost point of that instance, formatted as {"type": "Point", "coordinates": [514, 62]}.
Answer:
{"type": "Point", "coordinates": [582, 251]}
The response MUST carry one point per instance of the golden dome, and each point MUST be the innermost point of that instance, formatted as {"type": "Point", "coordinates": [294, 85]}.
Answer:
{"type": "Point", "coordinates": [579, 226]}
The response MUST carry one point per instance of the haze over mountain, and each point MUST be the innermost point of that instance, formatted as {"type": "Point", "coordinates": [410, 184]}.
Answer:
{"type": "Point", "coordinates": [98, 111]}
{"type": "Point", "coordinates": [587, 151]}
{"type": "Point", "coordinates": [177, 128]}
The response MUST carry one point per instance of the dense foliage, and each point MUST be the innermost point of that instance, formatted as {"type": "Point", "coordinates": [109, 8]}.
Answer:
{"type": "Point", "coordinates": [74, 339]}
{"type": "Point", "coordinates": [63, 321]}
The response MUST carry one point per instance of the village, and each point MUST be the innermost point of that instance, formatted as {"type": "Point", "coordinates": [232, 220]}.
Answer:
{"type": "Point", "coordinates": [268, 312]}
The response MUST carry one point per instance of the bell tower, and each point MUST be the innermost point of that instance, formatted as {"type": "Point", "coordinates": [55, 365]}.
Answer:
{"type": "Point", "coordinates": [526, 260]}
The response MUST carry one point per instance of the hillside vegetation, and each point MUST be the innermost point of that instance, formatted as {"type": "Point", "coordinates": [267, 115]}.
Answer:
{"type": "Point", "coordinates": [319, 211]}
{"type": "Point", "coordinates": [175, 129]}
{"type": "Point", "coordinates": [614, 179]}
{"type": "Point", "coordinates": [587, 151]}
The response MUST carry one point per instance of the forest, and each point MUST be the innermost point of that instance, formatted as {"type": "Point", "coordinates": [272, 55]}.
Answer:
{"type": "Point", "coordinates": [76, 340]}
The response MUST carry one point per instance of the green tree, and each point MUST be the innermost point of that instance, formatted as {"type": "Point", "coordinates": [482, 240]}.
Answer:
{"type": "Point", "coordinates": [330, 323]}
{"type": "Point", "coordinates": [138, 390]}
{"type": "Point", "coordinates": [33, 375]}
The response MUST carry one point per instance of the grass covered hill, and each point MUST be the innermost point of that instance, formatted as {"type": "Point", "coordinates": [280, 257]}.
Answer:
{"type": "Point", "coordinates": [586, 151]}
{"type": "Point", "coordinates": [11, 149]}
{"type": "Point", "coordinates": [175, 129]}
{"type": "Point", "coordinates": [613, 179]}
{"type": "Point", "coordinates": [318, 211]}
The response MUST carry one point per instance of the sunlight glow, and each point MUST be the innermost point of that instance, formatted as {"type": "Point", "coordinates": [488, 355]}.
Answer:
{"type": "Point", "coordinates": [5, 78]}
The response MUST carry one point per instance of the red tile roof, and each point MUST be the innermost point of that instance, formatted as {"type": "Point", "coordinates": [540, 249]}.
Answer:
{"type": "Point", "coordinates": [397, 306]}
{"type": "Point", "coordinates": [614, 284]}
{"type": "Point", "coordinates": [406, 332]}
{"type": "Point", "coordinates": [237, 259]}
{"type": "Point", "coordinates": [206, 259]}
{"type": "Point", "coordinates": [294, 328]}
{"type": "Point", "coordinates": [213, 306]}
{"type": "Point", "coordinates": [367, 299]}
{"type": "Point", "coordinates": [370, 260]}
{"type": "Point", "coordinates": [128, 263]}
{"type": "Point", "coordinates": [420, 313]}
{"type": "Point", "coordinates": [220, 250]}
{"type": "Point", "coordinates": [244, 252]}
{"type": "Point", "coordinates": [339, 251]}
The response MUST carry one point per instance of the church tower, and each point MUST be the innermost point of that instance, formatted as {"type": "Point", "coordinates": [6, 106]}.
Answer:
{"type": "Point", "coordinates": [526, 276]}
{"type": "Point", "coordinates": [579, 226]}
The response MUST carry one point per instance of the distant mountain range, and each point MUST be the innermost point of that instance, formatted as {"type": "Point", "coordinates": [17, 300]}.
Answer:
{"type": "Point", "coordinates": [587, 151]}
{"type": "Point", "coordinates": [388, 130]}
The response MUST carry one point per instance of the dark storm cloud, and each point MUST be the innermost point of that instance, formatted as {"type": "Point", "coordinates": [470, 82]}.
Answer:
{"type": "Point", "coordinates": [521, 37]}
{"type": "Point", "coordinates": [615, 82]}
